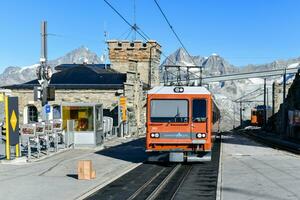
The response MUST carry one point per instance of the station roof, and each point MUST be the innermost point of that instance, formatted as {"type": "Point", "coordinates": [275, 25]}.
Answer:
{"type": "Point", "coordinates": [80, 76]}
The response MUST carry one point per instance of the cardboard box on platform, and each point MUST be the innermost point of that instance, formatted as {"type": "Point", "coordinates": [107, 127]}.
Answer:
{"type": "Point", "coordinates": [85, 169]}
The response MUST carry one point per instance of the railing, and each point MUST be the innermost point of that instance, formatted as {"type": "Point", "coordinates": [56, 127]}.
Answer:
{"type": "Point", "coordinates": [41, 138]}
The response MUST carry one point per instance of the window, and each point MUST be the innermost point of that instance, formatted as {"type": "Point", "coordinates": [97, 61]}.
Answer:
{"type": "Point", "coordinates": [199, 110]}
{"type": "Point", "coordinates": [82, 115]}
{"type": "Point", "coordinates": [32, 114]}
{"type": "Point", "coordinates": [169, 110]}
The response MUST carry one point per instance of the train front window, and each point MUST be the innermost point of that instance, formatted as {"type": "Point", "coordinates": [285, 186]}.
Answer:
{"type": "Point", "coordinates": [199, 110]}
{"type": "Point", "coordinates": [169, 110]}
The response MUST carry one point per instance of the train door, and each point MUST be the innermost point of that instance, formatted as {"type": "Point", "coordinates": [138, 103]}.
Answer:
{"type": "Point", "coordinates": [199, 117]}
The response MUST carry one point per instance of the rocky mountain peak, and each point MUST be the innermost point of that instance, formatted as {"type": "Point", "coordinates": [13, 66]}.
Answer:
{"type": "Point", "coordinates": [16, 74]}
{"type": "Point", "coordinates": [79, 55]}
{"type": "Point", "coordinates": [213, 64]}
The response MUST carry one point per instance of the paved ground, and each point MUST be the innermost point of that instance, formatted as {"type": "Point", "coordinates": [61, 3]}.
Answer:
{"type": "Point", "coordinates": [252, 171]}
{"type": "Point", "coordinates": [55, 177]}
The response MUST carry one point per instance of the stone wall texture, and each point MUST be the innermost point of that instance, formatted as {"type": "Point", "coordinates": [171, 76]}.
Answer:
{"type": "Point", "coordinates": [140, 61]}
{"type": "Point", "coordinates": [108, 98]}
{"type": "Point", "coordinates": [147, 56]}
{"type": "Point", "coordinates": [279, 121]}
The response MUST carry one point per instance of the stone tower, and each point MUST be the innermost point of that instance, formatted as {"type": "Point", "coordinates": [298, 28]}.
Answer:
{"type": "Point", "coordinates": [147, 56]}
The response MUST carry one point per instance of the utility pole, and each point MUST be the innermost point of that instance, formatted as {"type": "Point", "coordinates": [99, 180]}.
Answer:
{"type": "Point", "coordinates": [233, 116]}
{"type": "Point", "coordinates": [200, 77]}
{"type": "Point", "coordinates": [44, 73]}
{"type": "Point", "coordinates": [43, 62]}
{"type": "Point", "coordinates": [178, 76]}
{"type": "Point", "coordinates": [187, 76]}
{"type": "Point", "coordinates": [265, 102]}
{"type": "Point", "coordinates": [283, 104]}
{"type": "Point", "coordinates": [241, 114]}
{"type": "Point", "coordinates": [273, 98]}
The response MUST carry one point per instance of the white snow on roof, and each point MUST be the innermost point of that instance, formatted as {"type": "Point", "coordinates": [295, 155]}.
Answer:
{"type": "Point", "coordinates": [170, 90]}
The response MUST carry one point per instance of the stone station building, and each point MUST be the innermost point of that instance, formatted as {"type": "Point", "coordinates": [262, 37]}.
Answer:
{"type": "Point", "coordinates": [133, 69]}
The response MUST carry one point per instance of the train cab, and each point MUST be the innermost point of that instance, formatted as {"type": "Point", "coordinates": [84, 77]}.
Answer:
{"type": "Point", "coordinates": [181, 122]}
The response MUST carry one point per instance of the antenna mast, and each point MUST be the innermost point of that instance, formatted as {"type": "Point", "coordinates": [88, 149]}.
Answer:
{"type": "Point", "coordinates": [134, 27]}
{"type": "Point", "coordinates": [105, 48]}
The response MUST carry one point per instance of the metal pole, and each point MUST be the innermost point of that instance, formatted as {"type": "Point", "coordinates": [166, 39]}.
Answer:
{"type": "Point", "coordinates": [265, 102]}
{"type": "Point", "coordinates": [233, 116]}
{"type": "Point", "coordinates": [7, 143]}
{"type": "Point", "coordinates": [43, 62]}
{"type": "Point", "coordinates": [43, 58]}
{"type": "Point", "coordinates": [187, 76]}
{"type": "Point", "coordinates": [241, 114]}
{"type": "Point", "coordinates": [273, 98]}
{"type": "Point", "coordinates": [200, 76]}
{"type": "Point", "coordinates": [283, 104]}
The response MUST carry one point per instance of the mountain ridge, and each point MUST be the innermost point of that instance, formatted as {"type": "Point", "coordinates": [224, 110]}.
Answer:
{"type": "Point", "coordinates": [16, 75]}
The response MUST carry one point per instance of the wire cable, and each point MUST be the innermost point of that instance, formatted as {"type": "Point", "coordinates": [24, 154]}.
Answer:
{"type": "Point", "coordinates": [174, 32]}
{"type": "Point", "coordinates": [180, 41]}
{"type": "Point", "coordinates": [127, 22]}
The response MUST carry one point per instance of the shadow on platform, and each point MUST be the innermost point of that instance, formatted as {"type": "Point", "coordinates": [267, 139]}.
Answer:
{"type": "Point", "coordinates": [236, 138]}
{"type": "Point", "coordinates": [75, 176]}
{"type": "Point", "coordinates": [133, 151]}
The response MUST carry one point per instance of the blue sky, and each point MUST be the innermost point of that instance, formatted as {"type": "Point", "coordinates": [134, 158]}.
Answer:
{"type": "Point", "coordinates": [242, 31]}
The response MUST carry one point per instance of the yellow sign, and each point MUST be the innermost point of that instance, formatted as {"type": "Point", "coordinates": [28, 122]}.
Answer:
{"type": "Point", "coordinates": [13, 120]}
{"type": "Point", "coordinates": [123, 108]}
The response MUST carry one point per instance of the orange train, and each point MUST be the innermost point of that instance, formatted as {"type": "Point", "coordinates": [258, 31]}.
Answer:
{"type": "Point", "coordinates": [181, 122]}
{"type": "Point", "coordinates": [257, 115]}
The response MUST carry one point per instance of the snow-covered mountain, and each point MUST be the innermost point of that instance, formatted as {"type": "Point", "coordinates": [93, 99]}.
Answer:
{"type": "Point", "coordinates": [214, 64]}
{"type": "Point", "coordinates": [15, 74]}
{"type": "Point", "coordinates": [227, 92]}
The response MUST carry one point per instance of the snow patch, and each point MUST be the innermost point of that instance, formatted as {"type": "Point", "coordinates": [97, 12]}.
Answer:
{"type": "Point", "coordinates": [220, 96]}
{"type": "Point", "coordinates": [294, 65]}
{"type": "Point", "coordinates": [257, 80]}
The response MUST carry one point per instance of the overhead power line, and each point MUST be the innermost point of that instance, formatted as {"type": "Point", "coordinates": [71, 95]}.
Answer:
{"type": "Point", "coordinates": [180, 41]}
{"type": "Point", "coordinates": [137, 29]}
{"type": "Point", "coordinates": [134, 27]}
{"type": "Point", "coordinates": [174, 32]}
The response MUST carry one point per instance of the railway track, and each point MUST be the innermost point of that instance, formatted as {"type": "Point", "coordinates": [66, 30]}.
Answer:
{"type": "Point", "coordinates": [267, 142]}
{"type": "Point", "coordinates": [166, 181]}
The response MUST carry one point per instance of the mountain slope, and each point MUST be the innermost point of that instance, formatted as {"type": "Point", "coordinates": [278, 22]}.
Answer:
{"type": "Point", "coordinates": [227, 92]}
{"type": "Point", "coordinates": [15, 75]}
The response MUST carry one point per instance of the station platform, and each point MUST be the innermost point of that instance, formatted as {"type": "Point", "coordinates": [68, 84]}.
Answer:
{"type": "Point", "coordinates": [272, 138]}
{"type": "Point", "coordinates": [56, 176]}
{"type": "Point", "coordinates": [249, 170]}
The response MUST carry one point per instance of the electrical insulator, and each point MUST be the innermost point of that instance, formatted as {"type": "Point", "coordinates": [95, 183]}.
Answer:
{"type": "Point", "coordinates": [48, 73]}
{"type": "Point", "coordinates": [39, 72]}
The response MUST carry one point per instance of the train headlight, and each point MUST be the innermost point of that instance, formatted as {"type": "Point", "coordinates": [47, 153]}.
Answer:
{"type": "Point", "coordinates": [201, 135]}
{"type": "Point", "coordinates": [154, 135]}
{"type": "Point", "coordinates": [178, 89]}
